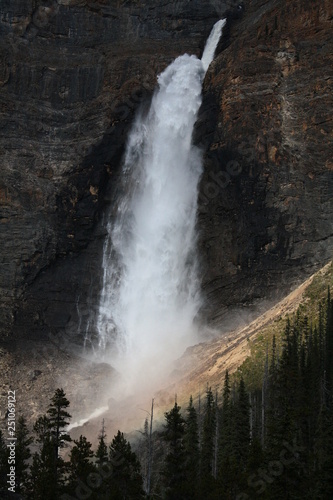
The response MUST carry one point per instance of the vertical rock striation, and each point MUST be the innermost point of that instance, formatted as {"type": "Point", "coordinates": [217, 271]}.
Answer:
{"type": "Point", "coordinates": [72, 72]}
{"type": "Point", "coordinates": [266, 214]}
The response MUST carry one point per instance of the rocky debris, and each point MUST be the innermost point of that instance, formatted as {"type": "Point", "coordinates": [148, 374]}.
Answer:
{"type": "Point", "coordinates": [206, 362]}
{"type": "Point", "coordinates": [36, 369]}
{"type": "Point", "coordinates": [33, 374]}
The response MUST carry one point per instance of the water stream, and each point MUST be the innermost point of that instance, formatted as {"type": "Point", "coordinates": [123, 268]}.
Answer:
{"type": "Point", "coordinates": [151, 292]}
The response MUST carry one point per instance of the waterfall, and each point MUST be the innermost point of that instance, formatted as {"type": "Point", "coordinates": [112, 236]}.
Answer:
{"type": "Point", "coordinates": [150, 295]}
{"type": "Point", "coordinates": [211, 44]}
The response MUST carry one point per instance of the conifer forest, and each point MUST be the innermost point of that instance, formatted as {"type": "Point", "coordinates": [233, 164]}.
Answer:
{"type": "Point", "coordinates": [274, 442]}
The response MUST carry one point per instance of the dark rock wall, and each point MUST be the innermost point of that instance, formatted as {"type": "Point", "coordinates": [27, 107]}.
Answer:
{"type": "Point", "coordinates": [268, 114]}
{"type": "Point", "coordinates": [72, 73]}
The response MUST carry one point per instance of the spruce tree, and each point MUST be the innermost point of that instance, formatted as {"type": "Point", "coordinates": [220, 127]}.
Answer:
{"type": "Point", "coordinates": [59, 419]}
{"type": "Point", "coordinates": [229, 454]}
{"type": "Point", "coordinates": [208, 445]}
{"type": "Point", "coordinates": [286, 424]}
{"type": "Point", "coordinates": [80, 465]}
{"type": "Point", "coordinates": [125, 482]}
{"type": "Point", "coordinates": [191, 445]}
{"type": "Point", "coordinates": [42, 429]}
{"type": "Point", "coordinates": [23, 455]}
{"type": "Point", "coordinates": [324, 454]}
{"type": "Point", "coordinates": [225, 430]}
{"type": "Point", "coordinates": [43, 482]}
{"type": "Point", "coordinates": [174, 471]}
{"type": "Point", "coordinates": [242, 425]}
{"type": "Point", "coordinates": [102, 450]}
{"type": "Point", "coordinates": [48, 468]}
{"type": "Point", "coordinates": [329, 340]}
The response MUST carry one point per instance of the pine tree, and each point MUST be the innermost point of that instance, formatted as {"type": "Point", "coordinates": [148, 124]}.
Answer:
{"type": "Point", "coordinates": [125, 482]}
{"type": "Point", "coordinates": [48, 468]}
{"type": "Point", "coordinates": [42, 429]}
{"type": "Point", "coordinates": [208, 445]}
{"type": "Point", "coordinates": [226, 431]}
{"type": "Point", "coordinates": [191, 445]}
{"type": "Point", "coordinates": [59, 419]}
{"type": "Point", "coordinates": [102, 450]}
{"type": "Point", "coordinates": [174, 466]}
{"type": "Point", "coordinates": [329, 340]}
{"type": "Point", "coordinates": [264, 399]}
{"type": "Point", "coordinates": [312, 386]}
{"type": "Point", "coordinates": [80, 464]}
{"type": "Point", "coordinates": [43, 481]}
{"type": "Point", "coordinates": [242, 425]}
{"type": "Point", "coordinates": [234, 439]}
{"type": "Point", "coordinates": [324, 454]}
{"type": "Point", "coordinates": [286, 399]}
{"type": "Point", "coordinates": [23, 455]}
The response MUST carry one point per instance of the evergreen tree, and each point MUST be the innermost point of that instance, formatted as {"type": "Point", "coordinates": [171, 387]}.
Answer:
{"type": "Point", "coordinates": [48, 468]}
{"type": "Point", "coordinates": [324, 454]}
{"type": "Point", "coordinates": [80, 464]}
{"type": "Point", "coordinates": [234, 439]}
{"type": "Point", "coordinates": [174, 466]}
{"type": "Point", "coordinates": [329, 340]}
{"type": "Point", "coordinates": [264, 400]}
{"type": "Point", "coordinates": [286, 423]}
{"type": "Point", "coordinates": [102, 450]}
{"type": "Point", "coordinates": [145, 454]}
{"type": "Point", "coordinates": [208, 445]}
{"type": "Point", "coordinates": [192, 451]}
{"type": "Point", "coordinates": [125, 482]}
{"type": "Point", "coordinates": [226, 429]}
{"type": "Point", "coordinates": [43, 481]}
{"type": "Point", "coordinates": [23, 454]}
{"type": "Point", "coordinates": [242, 425]}
{"type": "Point", "coordinates": [59, 419]}
{"type": "Point", "coordinates": [42, 429]}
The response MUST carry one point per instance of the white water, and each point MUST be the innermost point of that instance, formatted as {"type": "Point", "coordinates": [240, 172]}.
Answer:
{"type": "Point", "coordinates": [97, 413]}
{"type": "Point", "coordinates": [211, 43]}
{"type": "Point", "coordinates": [150, 294]}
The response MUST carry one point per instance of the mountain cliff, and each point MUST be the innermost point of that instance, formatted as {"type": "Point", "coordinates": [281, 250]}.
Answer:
{"type": "Point", "coordinates": [266, 195]}
{"type": "Point", "coordinates": [72, 73]}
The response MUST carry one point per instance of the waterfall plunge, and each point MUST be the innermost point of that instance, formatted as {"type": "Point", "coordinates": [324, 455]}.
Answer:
{"type": "Point", "coordinates": [150, 293]}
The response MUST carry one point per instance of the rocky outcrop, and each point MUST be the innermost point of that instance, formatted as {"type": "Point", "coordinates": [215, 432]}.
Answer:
{"type": "Point", "coordinates": [266, 213]}
{"type": "Point", "coordinates": [72, 72]}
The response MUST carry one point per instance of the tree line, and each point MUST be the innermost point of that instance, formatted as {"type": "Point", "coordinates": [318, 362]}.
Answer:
{"type": "Point", "coordinates": [274, 443]}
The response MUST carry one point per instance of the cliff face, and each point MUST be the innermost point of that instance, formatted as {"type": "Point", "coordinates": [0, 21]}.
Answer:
{"type": "Point", "coordinates": [72, 72]}
{"type": "Point", "coordinates": [71, 75]}
{"type": "Point", "coordinates": [266, 213]}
